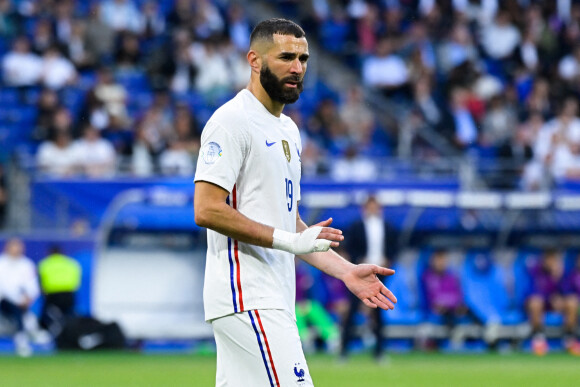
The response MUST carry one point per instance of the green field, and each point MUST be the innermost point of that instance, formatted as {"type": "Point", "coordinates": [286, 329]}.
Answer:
{"type": "Point", "coordinates": [128, 369]}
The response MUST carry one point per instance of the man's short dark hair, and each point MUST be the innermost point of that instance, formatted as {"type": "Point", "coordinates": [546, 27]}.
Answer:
{"type": "Point", "coordinates": [266, 29]}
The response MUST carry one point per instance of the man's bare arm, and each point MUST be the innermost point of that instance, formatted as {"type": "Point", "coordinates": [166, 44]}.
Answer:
{"type": "Point", "coordinates": [212, 211]}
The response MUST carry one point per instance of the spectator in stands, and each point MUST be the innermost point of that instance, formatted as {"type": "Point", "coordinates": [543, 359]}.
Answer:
{"type": "Point", "coordinates": [62, 122]}
{"type": "Point", "coordinates": [18, 290]}
{"type": "Point", "coordinates": [208, 21]}
{"type": "Point", "coordinates": [56, 156]}
{"type": "Point", "coordinates": [99, 36]}
{"type": "Point", "coordinates": [529, 51]}
{"type": "Point", "coordinates": [569, 66]}
{"type": "Point", "coordinates": [354, 167]}
{"type": "Point", "coordinates": [78, 49]}
{"type": "Point", "coordinates": [515, 154]}
{"type": "Point", "coordinates": [427, 106]}
{"type": "Point", "coordinates": [367, 26]}
{"type": "Point", "coordinates": [499, 122]}
{"type": "Point", "coordinates": [443, 294]}
{"type": "Point", "coordinates": [21, 67]}
{"type": "Point", "coordinates": [181, 16]}
{"type": "Point", "coordinates": [60, 278]}
{"type": "Point", "coordinates": [538, 100]}
{"type": "Point", "coordinates": [238, 27]}
{"type": "Point", "coordinates": [106, 98]}
{"type": "Point", "coordinates": [63, 20]}
{"type": "Point", "coordinates": [558, 143]}
{"type": "Point", "coordinates": [547, 295]}
{"type": "Point", "coordinates": [500, 38]}
{"type": "Point", "coordinates": [142, 163]}
{"type": "Point", "coordinates": [119, 133]}
{"type": "Point", "coordinates": [152, 22]}
{"type": "Point", "coordinates": [357, 116]}
{"type": "Point", "coordinates": [213, 76]}
{"type": "Point", "coordinates": [175, 160]}
{"type": "Point", "coordinates": [94, 156]}
{"type": "Point", "coordinates": [43, 36]}
{"type": "Point", "coordinates": [9, 19]}
{"type": "Point", "coordinates": [457, 49]}
{"type": "Point", "coordinates": [57, 71]}
{"type": "Point", "coordinates": [369, 240]}
{"type": "Point", "coordinates": [48, 104]}
{"type": "Point", "coordinates": [157, 124]}
{"type": "Point", "coordinates": [186, 130]}
{"type": "Point", "coordinates": [465, 132]}
{"type": "Point", "coordinates": [385, 70]}
{"type": "Point", "coordinates": [127, 54]}
{"type": "Point", "coordinates": [121, 15]}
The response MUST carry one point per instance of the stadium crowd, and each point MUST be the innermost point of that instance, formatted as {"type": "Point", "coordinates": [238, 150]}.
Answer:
{"type": "Point", "coordinates": [497, 80]}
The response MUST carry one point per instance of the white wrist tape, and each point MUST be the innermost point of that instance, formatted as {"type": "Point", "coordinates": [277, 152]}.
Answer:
{"type": "Point", "coordinates": [300, 243]}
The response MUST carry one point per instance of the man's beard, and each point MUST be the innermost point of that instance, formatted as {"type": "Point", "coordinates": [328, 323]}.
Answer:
{"type": "Point", "coordinates": [276, 88]}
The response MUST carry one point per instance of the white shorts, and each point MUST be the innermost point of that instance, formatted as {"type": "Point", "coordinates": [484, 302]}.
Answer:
{"type": "Point", "coordinates": [259, 348]}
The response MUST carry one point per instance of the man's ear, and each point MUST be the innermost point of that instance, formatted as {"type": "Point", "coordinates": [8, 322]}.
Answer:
{"type": "Point", "coordinates": [255, 61]}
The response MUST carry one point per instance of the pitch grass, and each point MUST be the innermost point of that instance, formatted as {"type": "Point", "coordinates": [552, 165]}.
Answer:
{"type": "Point", "coordinates": [131, 369]}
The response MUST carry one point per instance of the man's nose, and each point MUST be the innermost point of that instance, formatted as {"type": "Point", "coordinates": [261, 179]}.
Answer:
{"type": "Point", "coordinates": [297, 67]}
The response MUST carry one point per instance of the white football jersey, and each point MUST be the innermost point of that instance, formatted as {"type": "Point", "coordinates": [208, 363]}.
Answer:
{"type": "Point", "coordinates": [255, 156]}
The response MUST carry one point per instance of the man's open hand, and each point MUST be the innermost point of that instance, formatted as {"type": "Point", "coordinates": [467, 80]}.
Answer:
{"type": "Point", "coordinates": [363, 282]}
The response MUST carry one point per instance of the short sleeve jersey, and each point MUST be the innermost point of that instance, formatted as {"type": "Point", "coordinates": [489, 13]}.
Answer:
{"type": "Point", "coordinates": [255, 156]}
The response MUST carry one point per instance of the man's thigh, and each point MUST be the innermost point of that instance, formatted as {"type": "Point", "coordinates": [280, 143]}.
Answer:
{"type": "Point", "coordinates": [259, 348]}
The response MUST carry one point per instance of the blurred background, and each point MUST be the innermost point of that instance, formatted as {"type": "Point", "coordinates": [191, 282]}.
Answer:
{"type": "Point", "coordinates": [449, 128]}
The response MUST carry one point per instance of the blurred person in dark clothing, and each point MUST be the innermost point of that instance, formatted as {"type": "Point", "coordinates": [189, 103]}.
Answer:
{"type": "Point", "coordinates": [369, 240]}
{"type": "Point", "coordinates": [443, 293]}
{"type": "Point", "coordinates": [571, 292]}
{"type": "Point", "coordinates": [127, 53]}
{"type": "Point", "coordinates": [547, 294]}
{"type": "Point", "coordinates": [48, 104]}
{"type": "Point", "coordinates": [181, 16]}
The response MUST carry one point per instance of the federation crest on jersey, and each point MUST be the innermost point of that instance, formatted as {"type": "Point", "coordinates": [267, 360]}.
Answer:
{"type": "Point", "coordinates": [211, 152]}
{"type": "Point", "coordinates": [286, 148]}
{"type": "Point", "coordinates": [299, 372]}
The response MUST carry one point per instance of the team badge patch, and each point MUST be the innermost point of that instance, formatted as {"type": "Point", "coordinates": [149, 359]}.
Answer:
{"type": "Point", "coordinates": [299, 373]}
{"type": "Point", "coordinates": [211, 152]}
{"type": "Point", "coordinates": [286, 148]}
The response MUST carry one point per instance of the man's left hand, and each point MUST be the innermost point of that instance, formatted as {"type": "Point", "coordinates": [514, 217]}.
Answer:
{"type": "Point", "coordinates": [362, 280]}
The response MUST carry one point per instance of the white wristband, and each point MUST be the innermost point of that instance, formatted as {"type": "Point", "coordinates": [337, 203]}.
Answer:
{"type": "Point", "coordinates": [300, 243]}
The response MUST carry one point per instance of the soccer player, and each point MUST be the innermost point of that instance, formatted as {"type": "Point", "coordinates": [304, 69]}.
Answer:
{"type": "Point", "coordinates": [247, 192]}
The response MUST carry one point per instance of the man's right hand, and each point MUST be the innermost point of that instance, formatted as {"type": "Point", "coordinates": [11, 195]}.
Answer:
{"type": "Point", "coordinates": [316, 238]}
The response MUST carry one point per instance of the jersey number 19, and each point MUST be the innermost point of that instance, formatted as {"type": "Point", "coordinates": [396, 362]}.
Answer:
{"type": "Point", "coordinates": [289, 194]}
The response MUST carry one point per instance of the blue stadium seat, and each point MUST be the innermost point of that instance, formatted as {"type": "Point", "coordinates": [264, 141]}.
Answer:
{"type": "Point", "coordinates": [134, 81]}
{"type": "Point", "coordinates": [9, 97]}
{"type": "Point", "coordinates": [18, 115]}
{"type": "Point", "coordinates": [485, 291]}
{"type": "Point", "coordinates": [407, 311]}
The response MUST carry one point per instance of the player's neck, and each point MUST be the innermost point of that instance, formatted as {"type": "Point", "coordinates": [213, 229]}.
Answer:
{"type": "Point", "coordinates": [275, 108]}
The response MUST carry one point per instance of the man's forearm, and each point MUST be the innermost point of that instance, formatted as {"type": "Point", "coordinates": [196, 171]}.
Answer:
{"type": "Point", "coordinates": [227, 221]}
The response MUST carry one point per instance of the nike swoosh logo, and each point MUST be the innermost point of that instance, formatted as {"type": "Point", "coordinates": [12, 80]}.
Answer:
{"type": "Point", "coordinates": [270, 143]}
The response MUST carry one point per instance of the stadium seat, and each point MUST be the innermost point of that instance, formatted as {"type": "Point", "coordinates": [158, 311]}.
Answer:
{"type": "Point", "coordinates": [485, 291]}
{"type": "Point", "coordinates": [407, 311]}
